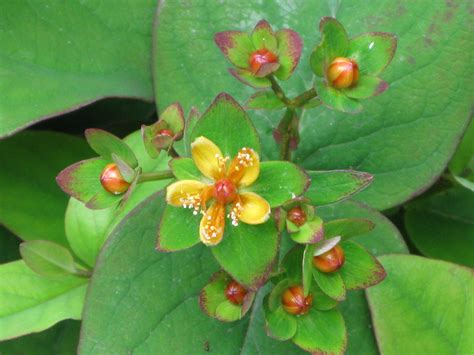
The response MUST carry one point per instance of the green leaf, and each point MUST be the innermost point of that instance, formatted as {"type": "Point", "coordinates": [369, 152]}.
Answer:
{"type": "Point", "coordinates": [347, 227]}
{"type": "Point", "coordinates": [442, 225]}
{"type": "Point", "coordinates": [173, 115]}
{"type": "Point", "coordinates": [464, 183]}
{"type": "Point", "coordinates": [9, 245]}
{"type": "Point", "coordinates": [106, 144]}
{"type": "Point", "coordinates": [31, 303]}
{"type": "Point", "coordinates": [227, 125]}
{"type": "Point", "coordinates": [274, 297]}
{"type": "Point", "coordinates": [185, 169]}
{"type": "Point", "coordinates": [334, 43]}
{"type": "Point", "coordinates": [331, 284]}
{"type": "Point", "coordinates": [246, 77]}
{"type": "Point", "coordinates": [332, 186]}
{"type": "Point", "coordinates": [310, 232]}
{"type": "Point", "coordinates": [264, 100]}
{"type": "Point", "coordinates": [81, 180]}
{"type": "Point", "coordinates": [289, 52]}
{"type": "Point", "coordinates": [321, 301]}
{"type": "Point", "coordinates": [307, 268]}
{"type": "Point", "coordinates": [382, 139]}
{"type": "Point", "coordinates": [103, 199]}
{"type": "Point", "coordinates": [360, 269]}
{"type": "Point", "coordinates": [321, 332]}
{"type": "Point", "coordinates": [127, 172]}
{"type": "Point", "coordinates": [178, 230]}
{"type": "Point", "coordinates": [279, 324]}
{"type": "Point", "coordinates": [367, 86]}
{"type": "Point", "coordinates": [62, 339]}
{"type": "Point", "coordinates": [50, 65]}
{"type": "Point", "coordinates": [30, 161]}
{"type": "Point", "coordinates": [372, 51]}
{"type": "Point", "coordinates": [336, 99]}
{"type": "Point", "coordinates": [248, 252]}
{"type": "Point", "coordinates": [47, 258]}
{"type": "Point", "coordinates": [464, 152]}
{"type": "Point", "coordinates": [263, 37]}
{"type": "Point", "coordinates": [439, 310]}
{"type": "Point", "coordinates": [279, 182]}
{"type": "Point", "coordinates": [236, 46]}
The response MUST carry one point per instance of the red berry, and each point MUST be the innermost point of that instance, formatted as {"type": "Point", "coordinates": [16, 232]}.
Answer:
{"type": "Point", "coordinates": [112, 180]}
{"type": "Point", "coordinates": [235, 293]}
{"type": "Point", "coordinates": [343, 73]}
{"type": "Point", "coordinates": [330, 261]}
{"type": "Point", "coordinates": [294, 301]}
{"type": "Point", "coordinates": [261, 57]}
{"type": "Point", "coordinates": [297, 215]}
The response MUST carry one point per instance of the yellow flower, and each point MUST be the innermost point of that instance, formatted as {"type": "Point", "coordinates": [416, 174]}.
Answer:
{"type": "Point", "coordinates": [227, 179]}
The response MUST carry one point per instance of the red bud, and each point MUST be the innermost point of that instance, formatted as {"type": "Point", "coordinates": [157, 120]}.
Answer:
{"type": "Point", "coordinates": [112, 180]}
{"type": "Point", "coordinates": [297, 215]}
{"type": "Point", "coordinates": [166, 132]}
{"type": "Point", "coordinates": [330, 261]}
{"type": "Point", "coordinates": [261, 57]}
{"type": "Point", "coordinates": [294, 301]}
{"type": "Point", "coordinates": [343, 73]}
{"type": "Point", "coordinates": [235, 293]}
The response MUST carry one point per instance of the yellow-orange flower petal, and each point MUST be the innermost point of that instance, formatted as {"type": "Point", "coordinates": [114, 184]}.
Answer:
{"type": "Point", "coordinates": [208, 158]}
{"type": "Point", "coordinates": [253, 208]}
{"type": "Point", "coordinates": [211, 229]}
{"type": "Point", "coordinates": [245, 167]}
{"type": "Point", "coordinates": [185, 193]}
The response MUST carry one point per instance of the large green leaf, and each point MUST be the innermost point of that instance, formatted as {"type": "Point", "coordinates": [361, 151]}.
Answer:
{"type": "Point", "coordinates": [87, 229]}
{"type": "Point", "coordinates": [424, 312]}
{"type": "Point", "coordinates": [9, 246]}
{"type": "Point", "coordinates": [62, 339]}
{"type": "Point", "coordinates": [442, 225]}
{"type": "Point", "coordinates": [131, 278]}
{"type": "Point", "coordinates": [31, 303]}
{"type": "Point", "coordinates": [58, 56]}
{"type": "Point", "coordinates": [403, 137]}
{"type": "Point", "coordinates": [31, 203]}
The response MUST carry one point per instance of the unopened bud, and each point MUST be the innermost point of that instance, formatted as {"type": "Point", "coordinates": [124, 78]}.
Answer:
{"type": "Point", "coordinates": [294, 301]}
{"type": "Point", "coordinates": [297, 216]}
{"type": "Point", "coordinates": [330, 261]}
{"type": "Point", "coordinates": [261, 57]}
{"type": "Point", "coordinates": [112, 180]}
{"type": "Point", "coordinates": [235, 293]}
{"type": "Point", "coordinates": [166, 132]}
{"type": "Point", "coordinates": [343, 73]}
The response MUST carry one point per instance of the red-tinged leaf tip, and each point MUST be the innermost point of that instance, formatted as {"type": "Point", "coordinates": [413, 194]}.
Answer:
{"type": "Point", "coordinates": [263, 24]}
{"type": "Point", "coordinates": [317, 236]}
{"type": "Point", "coordinates": [224, 40]}
{"type": "Point", "coordinates": [240, 74]}
{"type": "Point", "coordinates": [381, 88]}
{"type": "Point", "coordinates": [324, 20]}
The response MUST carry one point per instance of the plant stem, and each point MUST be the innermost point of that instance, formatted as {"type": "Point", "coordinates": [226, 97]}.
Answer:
{"type": "Point", "coordinates": [300, 100]}
{"type": "Point", "coordinates": [279, 91]}
{"type": "Point", "coordinates": [173, 153]}
{"type": "Point", "coordinates": [157, 175]}
{"type": "Point", "coordinates": [284, 130]}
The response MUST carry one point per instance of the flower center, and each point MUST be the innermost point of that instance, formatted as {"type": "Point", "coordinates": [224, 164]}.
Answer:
{"type": "Point", "coordinates": [225, 191]}
{"type": "Point", "coordinates": [261, 57]}
{"type": "Point", "coordinates": [166, 132]}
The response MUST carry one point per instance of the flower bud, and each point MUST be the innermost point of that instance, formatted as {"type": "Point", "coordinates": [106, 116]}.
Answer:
{"type": "Point", "coordinates": [330, 261]}
{"type": "Point", "coordinates": [112, 180]}
{"type": "Point", "coordinates": [261, 57]}
{"type": "Point", "coordinates": [235, 293]}
{"type": "Point", "coordinates": [166, 132]}
{"type": "Point", "coordinates": [294, 301]}
{"type": "Point", "coordinates": [343, 73]}
{"type": "Point", "coordinates": [297, 216]}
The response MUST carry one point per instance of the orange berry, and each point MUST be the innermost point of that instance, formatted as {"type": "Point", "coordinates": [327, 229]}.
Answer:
{"type": "Point", "coordinates": [330, 261]}
{"type": "Point", "coordinates": [112, 180]}
{"type": "Point", "coordinates": [294, 301]}
{"type": "Point", "coordinates": [343, 73]}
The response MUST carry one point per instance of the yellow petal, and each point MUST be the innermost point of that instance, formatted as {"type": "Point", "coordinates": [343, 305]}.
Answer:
{"type": "Point", "coordinates": [212, 224]}
{"type": "Point", "coordinates": [253, 209]}
{"type": "Point", "coordinates": [208, 158]}
{"type": "Point", "coordinates": [245, 167]}
{"type": "Point", "coordinates": [186, 193]}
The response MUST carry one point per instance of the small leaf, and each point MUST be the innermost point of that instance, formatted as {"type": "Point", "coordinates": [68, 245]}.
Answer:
{"type": "Point", "coordinates": [279, 324]}
{"type": "Point", "coordinates": [335, 185]}
{"type": "Point", "coordinates": [290, 46]}
{"type": "Point", "coordinates": [336, 99]}
{"type": "Point", "coordinates": [334, 44]}
{"type": "Point", "coordinates": [347, 227]}
{"type": "Point", "coordinates": [105, 143]}
{"type": "Point", "coordinates": [264, 100]}
{"type": "Point", "coordinates": [263, 37]}
{"type": "Point", "coordinates": [47, 258]}
{"type": "Point", "coordinates": [293, 264]}
{"type": "Point", "coordinates": [321, 301]}
{"type": "Point", "coordinates": [230, 134]}
{"type": "Point", "coordinates": [464, 183]}
{"type": "Point", "coordinates": [330, 283]}
{"type": "Point", "coordinates": [236, 47]}
{"type": "Point", "coordinates": [372, 51]}
{"type": "Point", "coordinates": [103, 199]}
{"type": "Point", "coordinates": [178, 230]}
{"type": "Point", "coordinates": [308, 268]}
{"type": "Point", "coordinates": [326, 245]}
{"type": "Point", "coordinates": [367, 86]}
{"type": "Point", "coordinates": [464, 153]}
{"type": "Point", "coordinates": [248, 78]}
{"type": "Point", "coordinates": [279, 181]}
{"type": "Point", "coordinates": [173, 115]}
{"type": "Point", "coordinates": [310, 232]}
{"type": "Point", "coordinates": [321, 332]}
{"type": "Point", "coordinates": [193, 117]}
{"type": "Point", "coordinates": [82, 179]}
{"type": "Point", "coordinates": [248, 252]}
{"type": "Point", "coordinates": [126, 170]}
{"type": "Point", "coordinates": [274, 298]}
{"type": "Point", "coordinates": [185, 169]}
{"type": "Point", "coordinates": [360, 269]}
